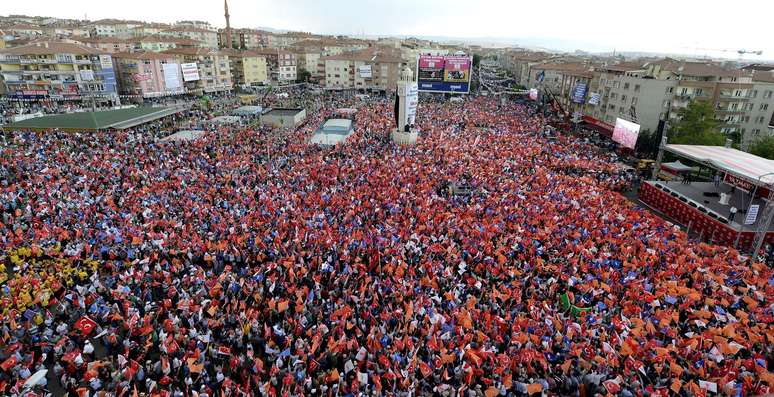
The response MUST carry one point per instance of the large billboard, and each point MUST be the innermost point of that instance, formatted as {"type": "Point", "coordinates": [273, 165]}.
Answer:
{"type": "Point", "coordinates": [190, 71]}
{"type": "Point", "coordinates": [445, 74]}
{"type": "Point", "coordinates": [626, 133]}
{"type": "Point", "coordinates": [171, 75]}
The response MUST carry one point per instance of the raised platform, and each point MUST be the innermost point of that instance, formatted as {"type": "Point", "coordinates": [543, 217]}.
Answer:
{"type": "Point", "coordinates": [705, 216]}
{"type": "Point", "coordinates": [80, 121]}
{"type": "Point", "coordinates": [405, 138]}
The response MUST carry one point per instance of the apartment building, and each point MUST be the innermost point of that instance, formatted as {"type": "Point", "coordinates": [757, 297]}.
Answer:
{"type": "Point", "coordinates": [23, 30]}
{"type": "Point", "coordinates": [549, 76]}
{"type": "Point", "coordinates": [371, 68]}
{"type": "Point", "coordinates": [213, 65]}
{"type": "Point", "coordinates": [760, 122]}
{"type": "Point", "coordinates": [248, 68]}
{"type": "Point", "coordinates": [57, 71]}
{"type": "Point", "coordinates": [207, 38]}
{"type": "Point", "coordinates": [157, 43]}
{"type": "Point", "coordinates": [519, 64]}
{"type": "Point", "coordinates": [141, 74]}
{"type": "Point", "coordinates": [149, 29]}
{"type": "Point", "coordinates": [106, 44]}
{"type": "Point", "coordinates": [281, 64]}
{"type": "Point", "coordinates": [113, 28]}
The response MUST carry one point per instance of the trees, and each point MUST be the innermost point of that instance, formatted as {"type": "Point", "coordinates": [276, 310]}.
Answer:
{"type": "Point", "coordinates": [697, 126]}
{"type": "Point", "coordinates": [764, 147]}
{"type": "Point", "coordinates": [303, 76]}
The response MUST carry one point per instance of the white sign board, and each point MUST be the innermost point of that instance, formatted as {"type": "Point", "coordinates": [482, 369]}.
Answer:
{"type": "Point", "coordinates": [412, 100]}
{"type": "Point", "coordinates": [594, 98]}
{"type": "Point", "coordinates": [87, 75]}
{"type": "Point", "coordinates": [171, 75]}
{"type": "Point", "coordinates": [752, 214]}
{"type": "Point", "coordinates": [106, 61]}
{"type": "Point", "coordinates": [190, 71]}
{"type": "Point", "coordinates": [364, 71]}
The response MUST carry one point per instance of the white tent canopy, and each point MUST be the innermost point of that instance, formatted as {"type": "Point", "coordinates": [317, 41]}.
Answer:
{"type": "Point", "coordinates": [757, 170]}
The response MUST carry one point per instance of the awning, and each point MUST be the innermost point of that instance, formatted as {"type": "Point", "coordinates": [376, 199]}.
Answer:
{"type": "Point", "coordinates": [676, 166]}
{"type": "Point", "coordinates": [754, 169]}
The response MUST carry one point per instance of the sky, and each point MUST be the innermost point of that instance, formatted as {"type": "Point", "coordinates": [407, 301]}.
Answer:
{"type": "Point", "coordinates": [700, 27]}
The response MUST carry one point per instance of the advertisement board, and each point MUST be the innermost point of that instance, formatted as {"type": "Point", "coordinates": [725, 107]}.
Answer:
{"type": "Point", "coordinates": [171, 75]}
{"type": "Point", "coordinates": [594, 98]}
{"type": "Point", "coordinates": [364, 71]}
{"type": "Point", "coordinates": [579, 94]}
{"type": "Point", "coordinates": [87, 75]}
{"type": "Point", "coordinates": [444, 74]}
{"type": "Point", "coordinates": [412, 100]}
{"type": "Point", "coordinates": [190, 71]}
{"type": "Point", "coordinates": [626, 133]}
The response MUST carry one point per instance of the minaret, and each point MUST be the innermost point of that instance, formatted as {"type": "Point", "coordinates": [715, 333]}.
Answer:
{"type": "Point", "coordinates": [228, 26]}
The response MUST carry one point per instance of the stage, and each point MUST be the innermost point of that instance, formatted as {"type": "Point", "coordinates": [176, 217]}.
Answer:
{"type": "Point", "coordinates": [705, 216]}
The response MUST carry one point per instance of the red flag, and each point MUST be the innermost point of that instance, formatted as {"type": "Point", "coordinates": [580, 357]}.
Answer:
{"type": "Point", "coordinates": [9, 363]}
{"type": "Point", "coordinates": [224, 350]}
{"type": "Point", "coordinates": [85, 325]}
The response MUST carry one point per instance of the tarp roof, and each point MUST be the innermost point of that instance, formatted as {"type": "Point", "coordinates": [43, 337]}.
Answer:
{"type": "Point", "coordinates": [755, 169]}
{"type": "Point", "coordinates": [184, 136]}
{"type": "Point", "coordinates": [677, 166]}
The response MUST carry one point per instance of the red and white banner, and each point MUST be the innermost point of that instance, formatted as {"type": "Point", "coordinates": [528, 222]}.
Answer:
{"type": "Point", "coordinates": [141, 77]}
{"type": "Point", "coordinates": [85, 325]}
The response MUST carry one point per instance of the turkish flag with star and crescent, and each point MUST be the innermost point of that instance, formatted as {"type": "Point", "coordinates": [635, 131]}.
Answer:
{"type": "Point", "coordinates": [85, 325]}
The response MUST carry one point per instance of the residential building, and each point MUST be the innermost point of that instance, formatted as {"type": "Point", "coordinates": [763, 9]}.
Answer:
{"type": "Point", "coordinates": [157, 43]}
{"type": "Point", "coordinates": [141, 74]}
{"type": "Point", "coordinates": [307, 60]}
{"type": "Point", "coordinates": [520, 63]}
{"type": "Point", "coordinates": [113, 28]}
{"type": "Point", "coordinates": [213, 65]}
{"type": "Point", "coordinates": [281, 64]}
{"type": "Point", "coordinates": [371, 68]}
{"type": "Point", "coordinates": [207, 38]}
{"type": "Point", "coordinates": [549, 76]}
{"type": "Point", "coordinates": [149, 29]}
{"type": "Point", "coordinates": [60, 30]}
{"type": "Point", "coordinates": [248, 68]}
{"type": "Point", "coordinates": [106, 44]}
{"type": "Point", "coordinates": [760, 120]}
{"type": "Point", "coordinates": [195, 24]}
{"type": "Point", "coordinates": [58, 71]}
{"type": "Point", "coordinates": [23, 31]}
{"type": "Point", "coordinates": [626, 92]}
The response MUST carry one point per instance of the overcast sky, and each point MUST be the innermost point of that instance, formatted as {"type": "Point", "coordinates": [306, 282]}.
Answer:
{"type": "Point", "coordinates": [656, 25]}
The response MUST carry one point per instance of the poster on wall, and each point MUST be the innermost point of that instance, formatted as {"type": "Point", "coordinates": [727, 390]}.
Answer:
{"type": "Point", "coordinates": [171, 75]}
{"type": "Point", "coordinates": [579, 94]}
{"type": "Point", "coordinates": [626, 133]}
{"type": "Point", "coordinates": [412, 100]}
{"type": "Point", "coordinates": [190, 71]}
{"type": "Point", "coordinates": [364, 71]}
{"type": "Point", "coordinates": [594, 98]}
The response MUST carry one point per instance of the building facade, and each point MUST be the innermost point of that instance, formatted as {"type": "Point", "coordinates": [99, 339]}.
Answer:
{"type": "Point", "coordinates": [58, 71]}
{"type": "Point", "coordinates": [248, 68]}
{"type": "Point", "coordinates": [141, 75]}
{"type": "Point", "coordinates": [207, 38]}
{"type": "Point", "coordinates": [214, 69]}
{"type": "Point", "coordinates": [372, 68]}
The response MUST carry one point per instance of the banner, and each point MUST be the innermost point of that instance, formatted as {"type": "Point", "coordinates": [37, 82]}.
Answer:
{"type": "Point", "coordinates": [579, 93]}
{"type": "Point", "coordinates": [141, 77]}
{"type": "Point", "coordinates": [533, 94]}
{"type": "Point", "coordinates": [190, 71]}
{"type": "Point", "coordinates": [595, 98]}
{"type": "Point", "coordinates": [87, 75]}
{"type": "Point", "coordinates": [444, 74]}
{"type": "Point", "coordinates": [626, 133]}
{"type": "Point", "coordinates": [364, 71]}
{"type": "Point", "coordinates": [752, 214]}
{"type": "Point", "coordinates": [412, 100]}
{"type": "Point", "coordinates": [171, 75]}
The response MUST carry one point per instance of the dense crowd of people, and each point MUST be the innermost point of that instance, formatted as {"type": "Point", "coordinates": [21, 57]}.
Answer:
{"type": "Point", "coordinates": [249, 262]}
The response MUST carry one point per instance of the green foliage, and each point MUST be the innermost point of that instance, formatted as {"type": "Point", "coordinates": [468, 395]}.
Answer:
{"type": "Point", "coordinates": [476, 60]}
{"type": "Point", "coordinates": [697, 126]}
{"type": "Point", "coordinates": [303, 76]}
{"type": "Point", "coordinates": [764, 147]}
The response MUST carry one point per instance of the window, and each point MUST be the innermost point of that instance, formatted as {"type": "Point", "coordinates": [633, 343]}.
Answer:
{"type": "Point", "coordinates": [738, 93]}
{"type": "Point", "coordinates": [666, 104]}
{"type": "Point", "coordinates": [623, 98]}
{"type": "Point", "coordinates": [626, 86]}
{"type": "Point", "coordinates": [734, 106]}
{"type": "Point", "coordinates": [754, 94]}
{"type": "Point", "coordinates": [634, 101]}
{"type": "Point", "coordinates": [636, 88]}
{"type": "Point", "coordinates": [684, 92]}
{"type": "Point", "coordinates": [613, 96]}
{"type": "Point", "coordinates": [767, 94]}
{"type": "Point", "coordinates": [669, 90]}
{"type": "Point", "coordinates": [764, 106]}
{"type": "Point", "coordinates": [698, 92]}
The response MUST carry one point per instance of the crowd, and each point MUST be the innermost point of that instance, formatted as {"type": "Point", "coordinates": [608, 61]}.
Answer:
{"type": "Point", "coordinates": [249, 262]}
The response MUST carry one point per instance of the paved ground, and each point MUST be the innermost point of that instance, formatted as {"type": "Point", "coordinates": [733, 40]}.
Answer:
{"type": "Point", "coordinates": [85, 120]}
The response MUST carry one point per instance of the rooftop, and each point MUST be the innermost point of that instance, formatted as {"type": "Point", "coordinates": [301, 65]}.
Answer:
{"type": "Point", "coordinates": [371, 54]}
{"type": "Point", "coordinates": [121, 118]}
{"type": "Point", "coordinates": [142, 55]}
{"type": "Point", "coordinates": [51, 47]}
